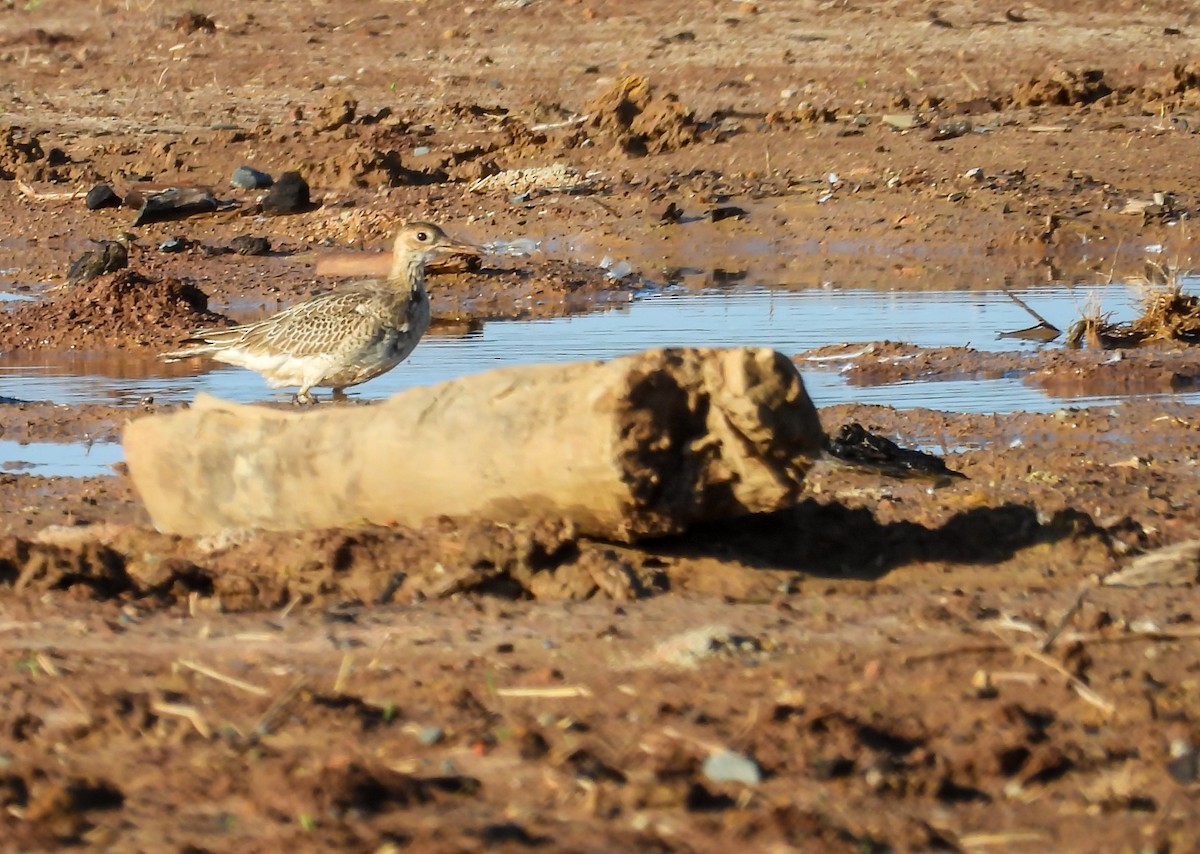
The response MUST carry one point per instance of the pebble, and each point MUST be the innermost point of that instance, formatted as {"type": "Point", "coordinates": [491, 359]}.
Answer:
{"type": "Point", "coordinates": [101, 196]}
{"type": "Point", "coordinates": [249, 178]}
{"type": "Point", "coordinates": [244, 244]}
{"type": "Point", "coordinates": [726, 212]}
{"type": "Point", "coordinates": [174, 244]}
{"type": "Point", "coordinates": [289, 195]}
{"type": "Point", "coordinates": [620, 270]}
{"type": "Point", "coordinates": [671, 214]}
{"type": "Point", "coordinates": [430, 735]}
{"type": "Point", "coordinates": [951, 130]}
{"type": "Point", "coordinates": [1184, 765]}
{"type": "Point", "coordinates": [901, 121]}
{"type": "Point", "coordinates": [725, 766]}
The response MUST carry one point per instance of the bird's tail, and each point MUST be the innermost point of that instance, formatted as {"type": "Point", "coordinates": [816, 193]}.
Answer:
{"type": "Point", "coordinates": [186, 353]}
{"type": "Point", "coordinates": [196, 346]}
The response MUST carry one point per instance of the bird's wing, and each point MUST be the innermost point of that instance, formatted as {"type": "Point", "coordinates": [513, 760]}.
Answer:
{"type": "Point", "coordinates": [331, 323]}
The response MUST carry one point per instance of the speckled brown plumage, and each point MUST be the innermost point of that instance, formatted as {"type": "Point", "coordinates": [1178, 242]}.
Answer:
{"type": "Point", "coordinates": [339, 339]}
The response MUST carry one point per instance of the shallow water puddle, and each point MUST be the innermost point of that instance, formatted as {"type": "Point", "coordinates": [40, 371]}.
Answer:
{"type": "Point", "coordinates": [790, 321]}
{"type": "Point", "coordinates": [53, 459]}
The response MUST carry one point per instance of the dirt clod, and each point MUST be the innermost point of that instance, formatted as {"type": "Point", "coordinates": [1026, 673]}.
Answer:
{"type": "Point", "coordinates": [125, 309]}
{"type": "Point", "coordinates": [641, 121]}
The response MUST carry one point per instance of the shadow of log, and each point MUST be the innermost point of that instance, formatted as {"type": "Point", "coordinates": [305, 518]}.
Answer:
{"type": "Point", "coordinates": [833, 541]}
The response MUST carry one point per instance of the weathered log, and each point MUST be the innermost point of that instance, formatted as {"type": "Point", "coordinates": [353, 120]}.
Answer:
{"type": "Point", "coordinates": [639, 446]}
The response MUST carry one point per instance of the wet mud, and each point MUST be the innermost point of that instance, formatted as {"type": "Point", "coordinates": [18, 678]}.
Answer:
{"type": "Point", "coordinates": [900, 668]}
{"type": "Point", "coordinates": [1064, 374]}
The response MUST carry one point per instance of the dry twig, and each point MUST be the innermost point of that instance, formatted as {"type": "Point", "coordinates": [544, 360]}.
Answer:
{"type": "Point", "coordinates": [1080, 687]}
{"type": "Point", "coordinates": [1065, 619]}
{"type": "Point", "coordinates": [553, 692]}
{"type": "Point", "coordinates": [267, 721]}
{"type": "Point", "coordinates": [189, 713]}
{"type": "Point", "coordinates": [30, 193]}
{"type": "Point", "coordinates": [221, 677]}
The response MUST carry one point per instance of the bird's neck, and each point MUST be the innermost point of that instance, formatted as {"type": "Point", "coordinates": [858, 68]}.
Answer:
{"type": "Point", "coordinates": [408, 273]}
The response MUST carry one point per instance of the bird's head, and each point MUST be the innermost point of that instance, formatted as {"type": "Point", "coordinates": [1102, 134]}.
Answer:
{"type": "Point", "coordinates": [426, 241]}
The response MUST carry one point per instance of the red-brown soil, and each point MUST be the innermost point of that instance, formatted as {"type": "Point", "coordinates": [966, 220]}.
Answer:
{"type": "Point", "coordinates": [907, 669]}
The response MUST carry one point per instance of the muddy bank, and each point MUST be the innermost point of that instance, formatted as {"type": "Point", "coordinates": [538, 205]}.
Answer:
{"type": "Point", "coordinates": [436, 721]}
{"type": "Point", "coordinates": [1032, 493]}
{"type": "Point", "coordinates": [1060, 373]}
{"type": "Point", "coordinates": [898, 669]}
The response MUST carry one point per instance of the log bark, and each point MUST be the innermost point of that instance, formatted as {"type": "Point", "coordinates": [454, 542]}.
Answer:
{"type": "Point", "coordinates": [639, 446]}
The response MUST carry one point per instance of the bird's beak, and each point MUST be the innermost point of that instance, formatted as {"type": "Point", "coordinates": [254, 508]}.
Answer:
{"type": "Point", "coordinates": [457, 247]}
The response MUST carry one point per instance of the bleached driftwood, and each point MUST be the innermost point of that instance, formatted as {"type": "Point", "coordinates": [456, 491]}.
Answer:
{"type": "Point", "coordinates": [639, 446]}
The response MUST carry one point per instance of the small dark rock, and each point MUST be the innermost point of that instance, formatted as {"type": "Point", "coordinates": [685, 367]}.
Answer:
{"type": "Point", "coordinates": [175, 244]}
{"type": "Point", "coordinates": [430, 735]}
{"type": "Point", "coordinates": [244, 244]}
{"type": "Point", "coordinates": [249, 178]}
{"type": "Point", "coordinates": [170, 204]}
{"type": "Point", "coordinates": [108, 257]}
{"type": "Point", "coordinates": [288, 196]}
{"type": "Point", "coordinates": [727, 212]}
{"type": "Point", "coordinates": [194, 22]}
{"type": "Point", "coordinates": [719, 276]}
{"type": "Point", "coordinates": [510, 832]}
{"type": "Point", "coordinates": [700, 799]}
{"type": "Point", "coordinates": [101, 196]}
{"type": "Point", "coordinates": [856, 447]}
{"type": "Point", "coordinates": [672, 214]}
{"type": "Point", "coordinates": [1184, 765]}
{"type": "Point", "coordinates": [951, 130]}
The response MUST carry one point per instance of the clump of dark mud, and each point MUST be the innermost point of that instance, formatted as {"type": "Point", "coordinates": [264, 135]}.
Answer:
{"type": "Point", "coordinates": [543, 560]}
{"type": "Point", "coordinates": [337, 110]}
{"type": "Point", "coordinates": [23, 156]}
{"type": "Point", "coordinates": [122, 309]}
{"type": "Point", "coordinates": [366, 164]}
{"type": "Point", "coordinates": [1062, 87]}
{"type": "Point", "coordinates": [1179, 87]}
{"type": "Point", "coordinates": [641, 121]}
{"type": "Point", "coordinates": [1062, 373]}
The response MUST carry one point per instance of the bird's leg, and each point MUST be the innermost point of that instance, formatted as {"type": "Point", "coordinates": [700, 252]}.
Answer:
{"type": "Point", "coordinates": [339, 394]}
{"type": "Point", "coordinates": [304, 396]}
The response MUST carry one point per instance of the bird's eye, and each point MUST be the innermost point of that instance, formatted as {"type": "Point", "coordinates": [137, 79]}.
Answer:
{"type": "Point", "coordinates": [422, 236]}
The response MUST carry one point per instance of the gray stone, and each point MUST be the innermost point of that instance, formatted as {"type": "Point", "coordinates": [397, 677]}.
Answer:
{"type": "Point", "coordinates": [430, 735]}
{"type": "Point", "coordinates": [725, 766]}
{"type": "Point", "coordinates": [249, 178]}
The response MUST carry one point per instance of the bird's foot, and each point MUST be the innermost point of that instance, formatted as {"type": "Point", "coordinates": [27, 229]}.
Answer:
{"type": "Point", "coordinates": [339, 394]}
{"type": "Point", "coordinates": [304, 398]}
